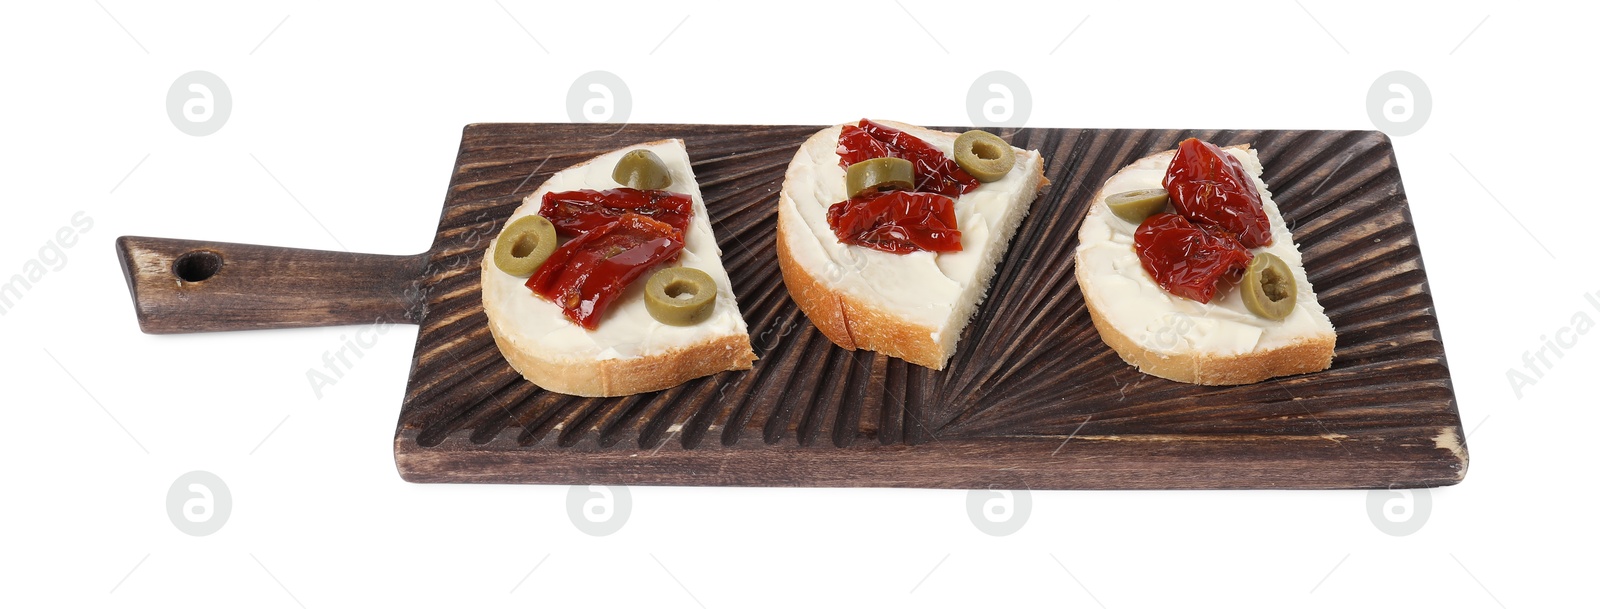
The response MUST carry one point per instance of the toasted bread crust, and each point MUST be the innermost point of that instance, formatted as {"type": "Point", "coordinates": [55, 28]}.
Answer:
{"type": "Point", "coordinates": [1311, 353]}
{"type": "Point", "coordinates": [851, 323]}
{"type": "Point", "coordinates": [820, 303]}
{"type": "Point", "coordinates": [854, 323]}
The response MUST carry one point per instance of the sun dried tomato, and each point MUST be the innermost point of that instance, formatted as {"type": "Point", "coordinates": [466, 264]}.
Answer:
{"type": "Point", "coordinates": [1210, 187]}
{"type": "Point", "coordinates": [585, 274]}
{"type": "Point", "coordinates": [897, 222]}
{"type": "Point", "coordinates": [575, 212]}
{"type": "Point", "coordinates": [1187, 260]}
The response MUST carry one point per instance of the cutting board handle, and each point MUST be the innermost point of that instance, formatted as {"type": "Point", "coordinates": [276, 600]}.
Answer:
{"type": "Point", "coordinates": [183, 286]}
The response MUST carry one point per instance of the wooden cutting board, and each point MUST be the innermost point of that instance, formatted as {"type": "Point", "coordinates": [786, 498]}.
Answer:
{"type": "Point", "coordinates": [1032, 398]}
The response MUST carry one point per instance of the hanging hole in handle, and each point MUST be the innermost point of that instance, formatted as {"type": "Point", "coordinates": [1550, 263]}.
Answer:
{"type": "Point", "coordinates": [197, 266]}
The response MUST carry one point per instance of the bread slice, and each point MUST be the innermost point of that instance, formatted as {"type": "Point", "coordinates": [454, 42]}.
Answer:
{"type": "Point", "coordinates": [630, 352]}
{"type": "Point", "coordinates": [912, 306]}
{"type": "Point", "coordinates": [1220, 343]}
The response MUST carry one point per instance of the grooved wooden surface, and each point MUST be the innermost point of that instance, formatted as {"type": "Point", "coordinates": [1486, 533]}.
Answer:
{"type": "Point", "coordinates": [1032, 398]}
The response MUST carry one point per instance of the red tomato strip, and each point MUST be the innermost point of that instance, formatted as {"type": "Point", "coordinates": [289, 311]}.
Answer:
{"type": "Point", "coordinates": [1187, 260]}
{"type": "Point", "coordinates": [897, 222]}
{"type": "Point", "coordinates": [576, 212]}
{"type": "Point", "coordinates": [1211, 188]}
{"type": "Point", "coordinates": [585, 274]}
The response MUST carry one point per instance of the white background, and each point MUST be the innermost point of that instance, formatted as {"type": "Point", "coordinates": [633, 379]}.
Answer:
{"type": "Point", "coordinates": [357, 110]}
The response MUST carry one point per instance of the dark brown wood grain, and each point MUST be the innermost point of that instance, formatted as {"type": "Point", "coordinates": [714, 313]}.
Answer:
{"type": "Point", "coordinates": [206, 286]}
{"type": "Point", "coordinates": [1031, 399]}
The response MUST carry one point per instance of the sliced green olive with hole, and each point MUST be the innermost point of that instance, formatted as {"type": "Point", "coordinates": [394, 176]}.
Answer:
{"type": "Point", "coordinates": [882, 173]}
{"type": "Point", "coordinates": [524, 245]}
{"type": "Point", "coordinates": [1268, 287]}
{"type": "Point", "coordinates": [643, 170]}
{"type": "Point", "coordinates": [1136, 205]}
{"type": "Point", "coordinates": [680, 296]}
{"type": "Point", "coordinates": [984, 155]}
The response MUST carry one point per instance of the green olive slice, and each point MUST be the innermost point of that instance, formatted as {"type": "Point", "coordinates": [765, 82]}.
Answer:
{"type": "Point", "coordinates": [984, 155]}
{"type": "Point", "coordinates": [524, 245]}
{"type": "Point", "coordinates": [680, 296]}
{"type": "Point", "coordinates": [882, 173]}
{"type": "Point", "coordinates": [643, 170]}
{"type": "Point", "coordinates": [1268, 287]}
{"type": "Point", "coordinates": [1136, 205]}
